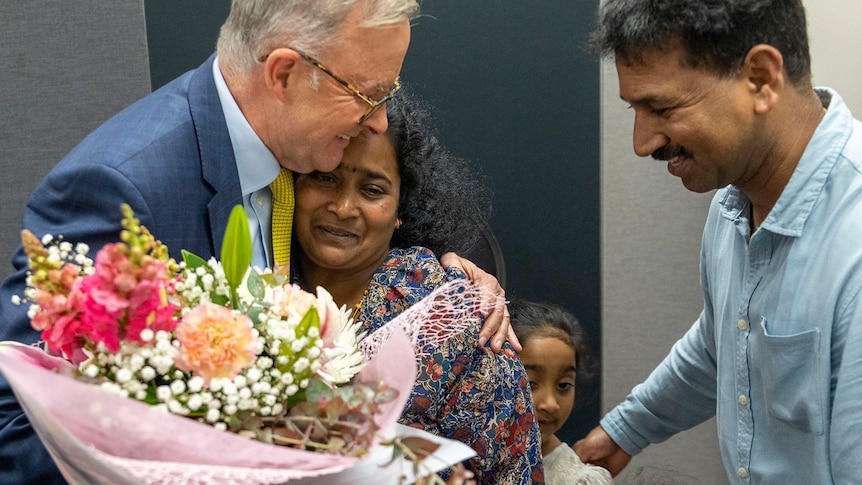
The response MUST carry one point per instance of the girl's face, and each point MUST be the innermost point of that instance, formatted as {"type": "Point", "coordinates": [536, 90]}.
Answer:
{"type": "Point", "coordinates": [550, 365]}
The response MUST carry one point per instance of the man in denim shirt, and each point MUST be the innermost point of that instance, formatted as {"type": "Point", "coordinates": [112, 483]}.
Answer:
{"type": "Point", "coordinates": [722, 92]}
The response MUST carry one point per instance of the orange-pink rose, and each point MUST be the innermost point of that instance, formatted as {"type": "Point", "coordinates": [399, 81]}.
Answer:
{"type": "Point", "coordinates": [290, 301]}
{"type": "Point", "coordinates": [215, 342]}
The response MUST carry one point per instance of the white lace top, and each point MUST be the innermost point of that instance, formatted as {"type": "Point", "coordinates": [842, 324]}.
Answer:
{"type": "Point", "coordinates": [563, 467]}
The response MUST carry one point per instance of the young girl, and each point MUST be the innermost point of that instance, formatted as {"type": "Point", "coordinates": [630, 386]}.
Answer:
{"type": "Point", "coordinates": [557, 361]}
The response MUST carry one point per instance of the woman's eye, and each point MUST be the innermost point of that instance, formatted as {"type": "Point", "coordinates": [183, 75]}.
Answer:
{"type": "Point", "coordinates": [373, 191]}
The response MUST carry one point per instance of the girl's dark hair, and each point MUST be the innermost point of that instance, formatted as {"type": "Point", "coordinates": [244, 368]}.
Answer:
{"type": "Point", "coordinates": [443, 199]}
{"type": "Point", "coordinates": [533, 319]}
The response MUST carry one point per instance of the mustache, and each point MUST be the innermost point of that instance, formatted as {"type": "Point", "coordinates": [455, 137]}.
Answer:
{"type": "Point", "coordinates": [668, 152]}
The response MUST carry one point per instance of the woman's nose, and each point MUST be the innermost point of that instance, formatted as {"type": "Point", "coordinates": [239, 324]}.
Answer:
{"type": "Point", "coordinates": [343, 204]}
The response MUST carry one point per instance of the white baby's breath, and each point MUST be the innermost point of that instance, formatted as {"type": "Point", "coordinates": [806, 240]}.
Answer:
{"type": "Point", "coordinates": [144, 366]}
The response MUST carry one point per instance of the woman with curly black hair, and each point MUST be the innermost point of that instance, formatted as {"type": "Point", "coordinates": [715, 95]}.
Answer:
{"type": "Point", "coordinates": [368, 232]}
{"type": "Point", "coordinates": [443, 200]}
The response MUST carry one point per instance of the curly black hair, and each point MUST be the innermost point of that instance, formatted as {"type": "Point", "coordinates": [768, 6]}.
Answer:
{"type": "Point", "coordinates": [716, 34]}
{"type": "Point", "coordinates": [444, 201]}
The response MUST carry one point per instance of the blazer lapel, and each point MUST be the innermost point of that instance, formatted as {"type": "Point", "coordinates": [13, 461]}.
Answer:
{"type": "Point", "coordinates": [218, 163]}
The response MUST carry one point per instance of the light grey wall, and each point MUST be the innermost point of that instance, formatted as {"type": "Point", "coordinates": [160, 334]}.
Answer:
{"type": "Point", "coordinates": [65, 67]}
{"type": "Point", "coordinates": [836, 41]}
{"type": "Point", "coordinates": [651, 227]}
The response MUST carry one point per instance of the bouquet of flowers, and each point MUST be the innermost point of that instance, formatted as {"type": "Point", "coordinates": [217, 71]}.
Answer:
{"type": "Point", "coordinates": [196, 348]}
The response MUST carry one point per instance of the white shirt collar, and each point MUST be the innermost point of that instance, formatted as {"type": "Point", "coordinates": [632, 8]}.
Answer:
{"type": "Point", "coordinates": [256, 165]}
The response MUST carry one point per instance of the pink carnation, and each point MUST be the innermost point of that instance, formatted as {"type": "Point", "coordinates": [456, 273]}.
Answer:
{"type": "Point", "coordinates": [215, 342]}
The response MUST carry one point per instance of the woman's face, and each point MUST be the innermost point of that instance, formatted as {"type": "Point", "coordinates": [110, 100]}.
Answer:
{"type": "Point", "coordinates": [344, 219]}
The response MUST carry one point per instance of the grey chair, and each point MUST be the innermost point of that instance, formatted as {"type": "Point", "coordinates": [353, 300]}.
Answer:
{"type": "Point", "coordinates": [488, 255]}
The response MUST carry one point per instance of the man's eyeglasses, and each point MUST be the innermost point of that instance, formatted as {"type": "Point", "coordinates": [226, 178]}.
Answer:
{"type": "Point", "coordinates": [373, 105]}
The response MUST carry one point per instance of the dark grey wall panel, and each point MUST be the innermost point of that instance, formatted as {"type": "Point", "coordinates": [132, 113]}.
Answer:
{"type": "Point", "coordinates": [517, 93]}
{"type": "Point", "coordinates": [181, 35]}
{"type": "Point", "coordinates": [65, 67]}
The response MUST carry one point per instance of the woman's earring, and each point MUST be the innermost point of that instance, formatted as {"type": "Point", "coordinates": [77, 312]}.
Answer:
{"type": "Point", "coordinates": [397, 223]}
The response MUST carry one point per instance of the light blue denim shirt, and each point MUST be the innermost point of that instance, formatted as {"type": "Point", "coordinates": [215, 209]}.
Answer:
{"type": "Point", "coordinates": [776, 353]}
{"type": "Point", "coordinates": [257, 169]}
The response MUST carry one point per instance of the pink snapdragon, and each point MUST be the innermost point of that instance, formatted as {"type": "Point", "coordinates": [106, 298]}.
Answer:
{"type": "Point", "coordinates": [116, 302]}
{"type": "Point", "coordinates": [122, 298]}
{"type": "Point", "coordinates": [60, 321]}
{"type": "Point", "coordinates": [215, 342]}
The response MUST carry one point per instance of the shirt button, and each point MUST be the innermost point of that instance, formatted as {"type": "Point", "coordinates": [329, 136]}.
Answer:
{"type": "Point", "coordinates": [743, 400]}
{"type": "Point", "coordinates": [259, 201]}
{"type": "Point", "coordinates": [743, 473]}
{"type": "Point", "coordinates": [742, 324]}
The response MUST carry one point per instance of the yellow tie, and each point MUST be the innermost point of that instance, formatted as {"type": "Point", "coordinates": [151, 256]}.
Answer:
{"type": "Point", "coordinates": [282, 216]}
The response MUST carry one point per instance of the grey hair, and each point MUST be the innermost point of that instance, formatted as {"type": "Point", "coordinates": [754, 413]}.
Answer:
{"type": "Point", "coordinates": [255, 27]}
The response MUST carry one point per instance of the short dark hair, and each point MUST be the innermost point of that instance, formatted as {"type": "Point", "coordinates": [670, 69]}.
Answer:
{"type": "Point", "coordinates": [537, 319]}
{"type": "Point", "coordinates": [716, 34]}
{"type": "Point", "coordinates": [443, 198]}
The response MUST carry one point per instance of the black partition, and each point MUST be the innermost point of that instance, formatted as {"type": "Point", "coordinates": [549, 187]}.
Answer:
{"type": "Point", "coordinates": [515, 92]}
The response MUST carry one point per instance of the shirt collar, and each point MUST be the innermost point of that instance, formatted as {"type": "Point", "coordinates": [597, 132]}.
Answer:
{"type": "Point", "coordinates": [256, 165]}
{"type": "Point", "coordinates": [798, 198]}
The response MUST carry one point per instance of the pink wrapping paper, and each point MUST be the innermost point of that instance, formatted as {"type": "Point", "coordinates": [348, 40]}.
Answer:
{"type": "Point", "coordinates": [141, 440]}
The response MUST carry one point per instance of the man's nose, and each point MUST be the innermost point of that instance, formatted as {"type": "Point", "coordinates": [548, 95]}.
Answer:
{"type": "Point", "coordinates": [647, 137]}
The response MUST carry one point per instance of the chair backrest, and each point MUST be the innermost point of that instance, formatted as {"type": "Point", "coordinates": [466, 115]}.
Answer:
{"type": "Point", "coordinates": [488, 255]}
{"type": "Point", "coordinates": [65, 67]}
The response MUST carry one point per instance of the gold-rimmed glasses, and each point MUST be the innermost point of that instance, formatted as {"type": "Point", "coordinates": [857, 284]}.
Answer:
{"type": "Point", "coordinates": [373, 105]}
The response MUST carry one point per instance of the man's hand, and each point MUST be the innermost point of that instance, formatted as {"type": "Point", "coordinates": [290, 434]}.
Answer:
{"type": "Point", "coordinates": [599, 449]}
{"type": "Point", "coordinates": [497, 325]}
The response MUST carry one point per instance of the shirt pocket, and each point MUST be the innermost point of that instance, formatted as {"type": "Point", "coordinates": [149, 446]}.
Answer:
{"type": "Point", "coordinates": [791, 386]}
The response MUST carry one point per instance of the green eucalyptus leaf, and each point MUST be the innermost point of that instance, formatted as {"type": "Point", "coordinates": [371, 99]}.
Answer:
{"type": "Point", "coordinates": [296, 399]}
{"type": "Point", "coordinates": [317, 390]}
{"type": "Point", "coordinates": [256, 285]}
{"type": "Point", "coordinates": [253, 313]}
{"type": "Point", "coordinates": [236, 250]}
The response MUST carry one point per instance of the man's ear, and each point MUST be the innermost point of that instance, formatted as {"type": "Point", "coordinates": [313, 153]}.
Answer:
{"type": "Point", "coordinates": [763, 69]}
{"type": "Point", "coordinates": [279, 70]}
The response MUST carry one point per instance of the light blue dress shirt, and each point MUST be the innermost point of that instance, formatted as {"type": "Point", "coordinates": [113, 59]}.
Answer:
{"type": "Point", "coordinates": [776, 353]}
{"type": "Point", "coordinates": [257, 169]}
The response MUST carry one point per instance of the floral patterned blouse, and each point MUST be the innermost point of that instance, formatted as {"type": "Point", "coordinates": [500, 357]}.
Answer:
{"type": "Point", "coordinates": [463, 391]}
